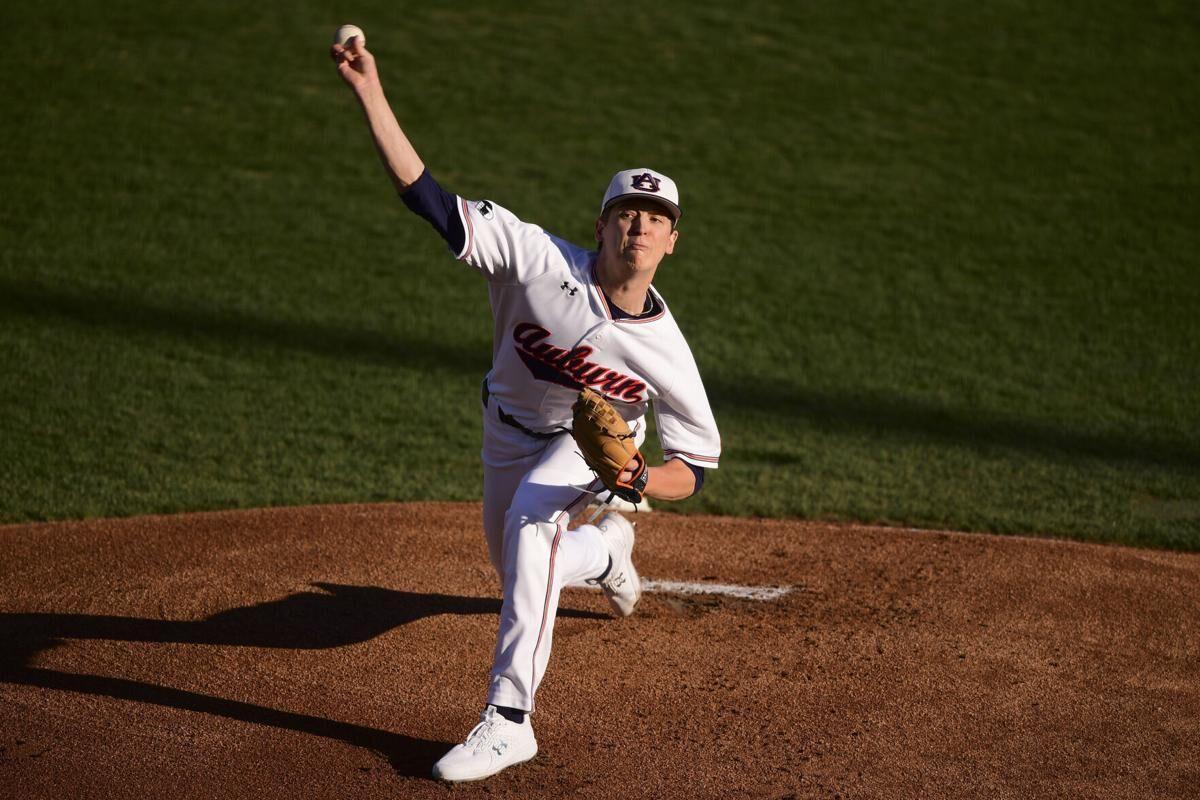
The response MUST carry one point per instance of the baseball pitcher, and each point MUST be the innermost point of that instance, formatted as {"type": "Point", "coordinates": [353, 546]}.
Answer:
{"type": "Point", "coordinates": [583, 346]}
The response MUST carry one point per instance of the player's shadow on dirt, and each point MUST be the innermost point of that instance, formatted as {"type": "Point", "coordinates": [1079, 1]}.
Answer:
{"type": "Point", "coordinates": [338, 615]}
{"type": "Point", "coordinates": [408, 755]}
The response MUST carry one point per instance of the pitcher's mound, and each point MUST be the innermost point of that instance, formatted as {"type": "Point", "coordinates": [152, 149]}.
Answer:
{"type": "Point", "coordinates": [338, 651]}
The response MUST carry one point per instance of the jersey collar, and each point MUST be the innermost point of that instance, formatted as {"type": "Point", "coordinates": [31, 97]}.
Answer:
{"type": "Point", "coordinates": [655, 308]}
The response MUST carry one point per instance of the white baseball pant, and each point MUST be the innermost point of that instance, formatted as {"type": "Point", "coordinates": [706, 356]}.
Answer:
{"type": "Point", "coordinates": [531, 489]}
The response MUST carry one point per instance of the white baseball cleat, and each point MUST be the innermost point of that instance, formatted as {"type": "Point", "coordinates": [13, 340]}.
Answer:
{"type": "Point", "coordinates": [491, 746]}
{"type": "Point", "coordinates": [621, 585]}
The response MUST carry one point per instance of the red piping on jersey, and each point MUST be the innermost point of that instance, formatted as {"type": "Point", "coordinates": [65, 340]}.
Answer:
{"type": "Point", "coordinates": [608, 312]}
{"type": "Point", "coordinates": [549, 588]}
{"type": "Point", "coordinates": [545, 613]}
{"type": "Point", "coordinates": [680, 453]}
{"type": "Point", "coordinates": [600, 292]}
{"type": "Point", "coordinates": [466, 215]}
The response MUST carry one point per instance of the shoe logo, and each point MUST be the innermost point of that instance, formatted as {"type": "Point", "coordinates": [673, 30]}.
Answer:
{"type": "Point", "coordinates": [618, 581]}
{"type": "Point", "coordinates": [500, 747]}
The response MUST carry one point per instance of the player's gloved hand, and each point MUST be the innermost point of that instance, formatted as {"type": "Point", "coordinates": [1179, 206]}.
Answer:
{"type": "Point", "coordinates": [608, 446]}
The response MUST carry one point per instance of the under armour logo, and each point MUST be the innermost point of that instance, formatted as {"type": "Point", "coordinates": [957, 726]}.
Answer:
{"type": "Point", "coordinates": [500, 747]}
{"type": "Point", "coordinates": [645, 182]}
{"type": "Point", "coordinates": [570, 291]}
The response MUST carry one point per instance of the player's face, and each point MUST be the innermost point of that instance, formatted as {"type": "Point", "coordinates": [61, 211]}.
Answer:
{"type": "Point", "coordinates": [637, 232]}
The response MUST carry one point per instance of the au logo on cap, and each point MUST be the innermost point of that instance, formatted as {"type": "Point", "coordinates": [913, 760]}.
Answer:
{"type": "Point", "coordinates": [645, 182]}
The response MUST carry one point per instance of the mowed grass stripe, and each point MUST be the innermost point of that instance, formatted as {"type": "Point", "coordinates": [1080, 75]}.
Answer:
{"type": "Point", "coordinates": [937, 264]}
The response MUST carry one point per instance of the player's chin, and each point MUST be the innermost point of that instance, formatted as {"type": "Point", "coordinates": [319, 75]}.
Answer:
{"type": "Point", "coordinates": [640, 259]}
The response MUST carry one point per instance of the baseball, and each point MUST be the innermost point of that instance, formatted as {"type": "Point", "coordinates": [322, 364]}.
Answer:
{"type": "Point", "coordinates": [347, 32]}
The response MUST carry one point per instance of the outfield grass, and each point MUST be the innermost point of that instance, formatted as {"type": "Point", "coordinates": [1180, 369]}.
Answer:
{"type": "Point", "coordinates": [938, 262]}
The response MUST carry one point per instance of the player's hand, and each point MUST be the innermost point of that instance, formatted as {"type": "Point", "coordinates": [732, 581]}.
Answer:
{"type": "Point", "coordinates": [355, 64]}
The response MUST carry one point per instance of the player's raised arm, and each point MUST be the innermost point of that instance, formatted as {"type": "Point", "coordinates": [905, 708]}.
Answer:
{"type": "Point", "coordinates": [356, 65]}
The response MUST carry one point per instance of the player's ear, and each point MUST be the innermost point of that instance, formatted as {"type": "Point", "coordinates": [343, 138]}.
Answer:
{"type": "Point", "coordinates": [599, 229]}
{"type": "Point", "coordinates": [671, 241]}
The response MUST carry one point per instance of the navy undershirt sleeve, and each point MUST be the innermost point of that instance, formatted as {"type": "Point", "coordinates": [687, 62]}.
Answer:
{"type": "Point", "coordinates": [425, 198]}
{"type": "Point", "coordinates": [699, 473]}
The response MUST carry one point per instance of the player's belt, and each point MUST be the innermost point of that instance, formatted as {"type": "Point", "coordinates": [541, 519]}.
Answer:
{"type": "Point", "coordinates": [508, 419]}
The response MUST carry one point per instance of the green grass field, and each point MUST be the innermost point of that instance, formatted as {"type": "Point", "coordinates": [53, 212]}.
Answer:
{"type": "Point", "coordinates": [938, 262]}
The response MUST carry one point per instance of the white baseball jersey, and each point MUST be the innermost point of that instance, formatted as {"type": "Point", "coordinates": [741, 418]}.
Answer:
{"type": "Point", "coordinates": [555, 332]}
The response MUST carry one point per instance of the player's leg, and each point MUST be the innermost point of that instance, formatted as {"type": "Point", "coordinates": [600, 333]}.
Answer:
{"type": "Point", "coordinates": [500, 483]}
{"type": "Point", "coordinates": [540, 557]}
{"type": "Point", "coordinates": [504, 735]}
{"type": "Point", "coordinates": [508, 455]}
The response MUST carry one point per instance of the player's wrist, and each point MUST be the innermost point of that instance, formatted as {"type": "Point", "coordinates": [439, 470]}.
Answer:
{"type": "Point", "coordinates": [668, 482]}
{"type": "Point", "coordinates": [369, 91]}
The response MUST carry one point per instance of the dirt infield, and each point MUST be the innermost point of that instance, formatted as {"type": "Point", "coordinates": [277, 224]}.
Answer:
{"type": "Point", "coordinates": [338, 651]}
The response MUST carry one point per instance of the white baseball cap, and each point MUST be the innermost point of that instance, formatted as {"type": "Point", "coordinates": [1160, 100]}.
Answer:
{"type": "Point", "coordinates": [642, 182]}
